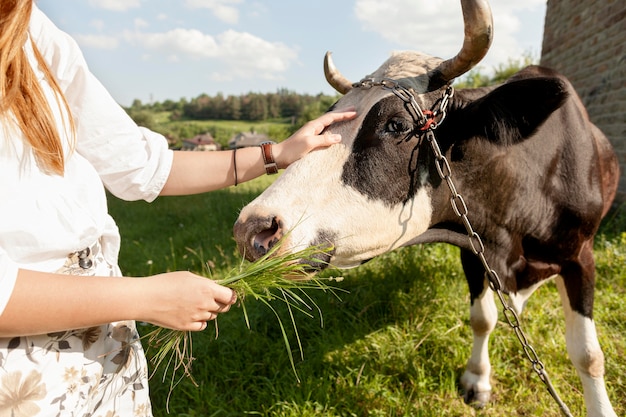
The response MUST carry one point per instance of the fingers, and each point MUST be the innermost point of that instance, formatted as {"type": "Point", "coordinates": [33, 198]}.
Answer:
{"type": "Point", "coordinates": [317, 126]}
{"type": "Point", "coordinates": [329, 118]}
{"type": "Point", "coordinates": [220, 300]}
{"type": "Point", "coordinates": [223, 298]}
{"type": "Point", "coordinates": [326, 139]}
{"type": "Point", "coordinates": [184, 301]}
{"type": "Point", "coordinates": [346, 113]}
{"type": "Point", "coordinates": [224, 295]}
{"type": "Point", "coordinates": [311, 136]}
{"type": "Point", "coordinates": [209, 316]}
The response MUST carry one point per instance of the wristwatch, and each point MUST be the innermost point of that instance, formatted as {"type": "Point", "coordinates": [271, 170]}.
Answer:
{"type": "Point", "coordinates": [268, 157]}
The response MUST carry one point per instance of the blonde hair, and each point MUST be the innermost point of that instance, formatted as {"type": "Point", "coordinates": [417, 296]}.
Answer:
{"type": "Point", "coordinates": [21, 96]}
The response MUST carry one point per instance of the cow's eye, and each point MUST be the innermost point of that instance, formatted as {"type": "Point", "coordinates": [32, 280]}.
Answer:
{"type": "Point", "coordinates": [398, 125]}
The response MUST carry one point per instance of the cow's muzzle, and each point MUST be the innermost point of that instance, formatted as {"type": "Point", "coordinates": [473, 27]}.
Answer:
{"type": "Point", "coordinates": [257, 235]}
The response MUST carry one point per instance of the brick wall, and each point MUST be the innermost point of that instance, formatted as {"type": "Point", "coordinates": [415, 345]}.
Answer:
{"type": "Point", "coordinates": [586, 41]}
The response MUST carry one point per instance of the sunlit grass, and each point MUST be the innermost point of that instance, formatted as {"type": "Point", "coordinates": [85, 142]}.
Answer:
{"type": "Point", "coordinates": [394, 345]}
{"type": "Point", "coordinates": [274, 278]}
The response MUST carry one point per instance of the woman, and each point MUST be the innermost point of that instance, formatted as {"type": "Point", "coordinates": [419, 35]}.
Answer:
{"type": "Point", "coordinates": [68, 342]}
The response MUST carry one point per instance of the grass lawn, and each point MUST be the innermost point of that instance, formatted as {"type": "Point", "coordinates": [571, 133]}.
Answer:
{"type": "Point", "coordinates": [394, 345]}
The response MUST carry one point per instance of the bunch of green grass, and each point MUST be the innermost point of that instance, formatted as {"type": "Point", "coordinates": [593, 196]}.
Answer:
{"type": "Point", "coordinates": [275, 277]}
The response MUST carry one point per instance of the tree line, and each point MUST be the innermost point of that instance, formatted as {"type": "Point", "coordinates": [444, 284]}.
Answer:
{"type": "Point", "coordinates": [283, 104]}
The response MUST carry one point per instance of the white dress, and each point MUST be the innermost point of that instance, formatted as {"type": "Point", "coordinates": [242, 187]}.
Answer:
{"type": "Point", "coordinates": [46, 223]}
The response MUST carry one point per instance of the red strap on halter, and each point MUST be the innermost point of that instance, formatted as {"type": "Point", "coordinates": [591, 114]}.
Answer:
{"type": "Point", "coordinates": [430, 119]}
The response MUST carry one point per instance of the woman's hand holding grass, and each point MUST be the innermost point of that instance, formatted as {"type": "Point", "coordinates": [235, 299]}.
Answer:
{"type": "Point", "coordinates": [184, 301]}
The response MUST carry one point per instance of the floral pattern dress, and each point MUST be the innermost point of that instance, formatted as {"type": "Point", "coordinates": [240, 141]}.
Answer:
{"type": "Point", "coordinates": [96, 372]}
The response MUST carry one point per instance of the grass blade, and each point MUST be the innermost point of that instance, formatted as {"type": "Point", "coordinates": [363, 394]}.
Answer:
{"type": "Point", "coordinates": [275, 277]}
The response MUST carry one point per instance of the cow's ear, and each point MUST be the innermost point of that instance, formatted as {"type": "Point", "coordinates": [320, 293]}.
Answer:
{"type": "Point", "coordinates": [513, 111]}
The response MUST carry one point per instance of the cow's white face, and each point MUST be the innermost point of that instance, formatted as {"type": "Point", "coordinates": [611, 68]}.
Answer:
{"type": "Point", "coordinates": [371, 193]}
{"type": "Point", "coordinates": [365, 196]}
{"type": "Point", "coordinates": [311, 203]}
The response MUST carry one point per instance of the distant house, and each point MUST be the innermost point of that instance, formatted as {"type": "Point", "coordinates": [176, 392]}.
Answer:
{"type": "Point", "coordinates": [245, 139]}
{"type": "Point", "coordinates": [203, 142]}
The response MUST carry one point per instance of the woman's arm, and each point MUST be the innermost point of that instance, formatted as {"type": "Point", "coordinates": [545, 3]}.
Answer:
{"type": "Point", "coordinates": [44, 303]}
{"type": "Point", "coordinates": [198, 172]}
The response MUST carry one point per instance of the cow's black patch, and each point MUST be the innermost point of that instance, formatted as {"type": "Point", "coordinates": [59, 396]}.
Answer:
{"type": "Point", "coordinates": [386, 163]}
{"type": "Point", "coordinates": [325, 239]}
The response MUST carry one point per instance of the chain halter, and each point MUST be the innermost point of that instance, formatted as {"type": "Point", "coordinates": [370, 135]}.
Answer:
{"type": "Point", "coordinates": [428, 121]}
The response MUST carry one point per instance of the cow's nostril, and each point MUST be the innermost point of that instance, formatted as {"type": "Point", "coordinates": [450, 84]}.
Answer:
{"type": "Point", "coordinates": [266, 239]}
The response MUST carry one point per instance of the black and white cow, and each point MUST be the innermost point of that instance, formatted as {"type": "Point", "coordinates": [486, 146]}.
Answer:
{"type": "Point", "coordinates": [537, 177]}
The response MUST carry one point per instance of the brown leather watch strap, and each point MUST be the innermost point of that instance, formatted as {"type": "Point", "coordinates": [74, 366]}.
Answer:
{"type": "Point", "coordinates": [268, 158]}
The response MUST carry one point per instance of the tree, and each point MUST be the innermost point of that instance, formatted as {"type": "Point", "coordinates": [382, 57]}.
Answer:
{"type": "Point", "coordinates": [504, 71]}
{"type": "Point", "coordinates": [143, 118]}
{"type": "Point", "coordinates": [232, 108]}
{"type": "Point", "coordinates": [254, 107]}
{"type": "Point", "coordinates": [137, 105]}
{"type": "Point", "coordinates": [475, 78]}
{"type": "Point", "coordinates": [315, 109]}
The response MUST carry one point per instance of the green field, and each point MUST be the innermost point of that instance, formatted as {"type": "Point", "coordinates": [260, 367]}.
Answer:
{"type": "Point", "coordinates": [221, 130]}
{"type": "Point", "coordinates": [394, 345]}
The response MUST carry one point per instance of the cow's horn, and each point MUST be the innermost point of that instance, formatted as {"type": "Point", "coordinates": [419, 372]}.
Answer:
{"type": "Point", "coordinates": [334, 77]}
{"type": "Point", "coordinates": [478, 22]}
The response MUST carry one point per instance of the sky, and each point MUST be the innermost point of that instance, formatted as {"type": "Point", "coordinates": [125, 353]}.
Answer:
{"type": "Point", "coordinates": [157, 50]}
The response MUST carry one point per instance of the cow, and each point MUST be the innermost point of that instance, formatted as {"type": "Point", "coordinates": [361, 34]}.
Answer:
{"type": "Point", "coordinates": [534, 174]}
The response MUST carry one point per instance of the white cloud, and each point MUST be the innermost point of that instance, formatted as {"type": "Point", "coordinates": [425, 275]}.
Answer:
{"type": "Point", "coordinates": [140, 23]}
{"type": "Point", "coordinates": [98, 24]}
{"type": "Point", "coordinates": [97, 41]}
{"type": "Point", "coordinates": [250, 56]}
{"type": "Point", "coordinates": [224, 10]}
{"type": "Point", "coordinates": [509, 29]}
{"type": "Point", "coordinates": [115, 5]}
{"type": "Point", "coordinates": [435, 27]}
{"type": "Point", "coordinates": [189, 42]}
{"type": "Point", "coordinates": [241, 54]}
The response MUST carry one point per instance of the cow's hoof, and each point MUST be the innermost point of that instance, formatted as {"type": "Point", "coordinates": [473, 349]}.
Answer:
{"type": "Point", "coordinates": [476, 399]}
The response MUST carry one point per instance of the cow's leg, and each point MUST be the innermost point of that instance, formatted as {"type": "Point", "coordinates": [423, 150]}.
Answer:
{"type": "Point", "coordinates": [586, 355]}
{"type": "Point", "coordinates": [475, 382]}
{"type": "Point", "coordinates": [580, 333]}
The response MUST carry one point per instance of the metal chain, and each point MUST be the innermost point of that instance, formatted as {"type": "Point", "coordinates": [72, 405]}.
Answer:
{"type": "Point", "coordinates": [478, 248]}
{"type": "Point", "coordinates": [429, 124]}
